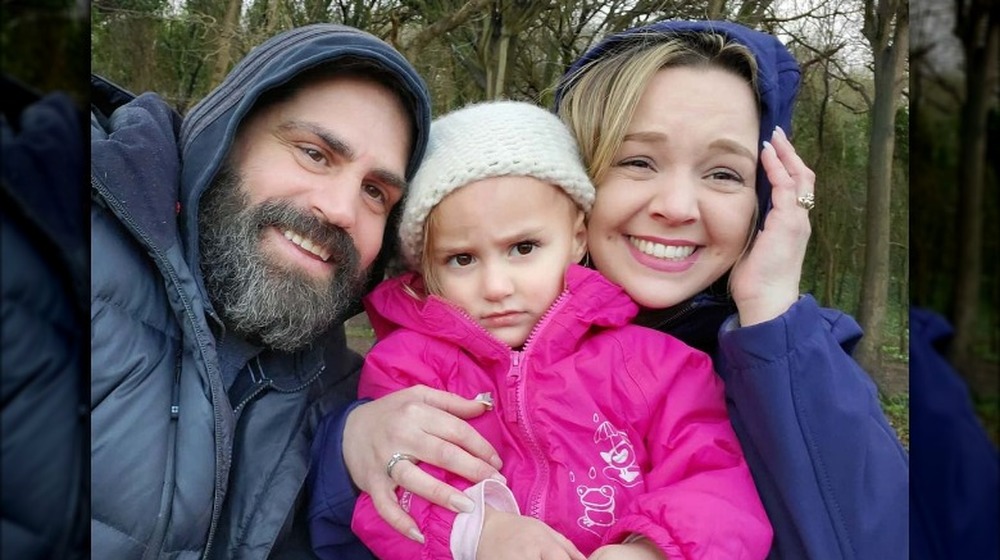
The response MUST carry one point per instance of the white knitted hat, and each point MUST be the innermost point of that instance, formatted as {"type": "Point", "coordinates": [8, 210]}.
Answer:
{"type": "Point", "coordinates": [492, 139]}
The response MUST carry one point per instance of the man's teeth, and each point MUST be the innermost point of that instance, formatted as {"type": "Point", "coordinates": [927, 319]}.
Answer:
{"type": "Point", "coordinates": [307, 245]}
{"type": "Point", "coordinates": [661, 251]}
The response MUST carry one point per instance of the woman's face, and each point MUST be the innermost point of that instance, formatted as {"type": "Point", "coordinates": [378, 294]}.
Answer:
{"type": "Point", "coordinates": [673, 213]}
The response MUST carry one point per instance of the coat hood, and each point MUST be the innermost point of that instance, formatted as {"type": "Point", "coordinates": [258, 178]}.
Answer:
{"type": "Point", "coordinates": [777, 76]}
{"type": "Point", "coordinates": [208, 130]}
{"type": "Point", "coordinates": [697, 320]}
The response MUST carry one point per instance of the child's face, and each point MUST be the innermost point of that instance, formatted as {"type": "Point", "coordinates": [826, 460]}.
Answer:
{"type": "Point", "coordinates": [499, 249]}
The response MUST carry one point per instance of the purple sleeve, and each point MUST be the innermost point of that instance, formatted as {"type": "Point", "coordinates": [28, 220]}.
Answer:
{"type": "Point", "coordinates": [332, 494]}
{"type": "Point", "coordinates": [830, 470]}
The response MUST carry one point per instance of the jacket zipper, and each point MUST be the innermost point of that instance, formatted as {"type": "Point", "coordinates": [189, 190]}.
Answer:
{"type": "Point", "coordinates": [119, 209]}
{"type": "Point", "coordinates": [537, 495]}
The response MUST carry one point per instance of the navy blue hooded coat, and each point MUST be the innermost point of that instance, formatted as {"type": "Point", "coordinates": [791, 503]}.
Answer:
{"type": "Point", "coordinates": [179, 469]}
{"type": "Point", "coordinates": [831, 473]}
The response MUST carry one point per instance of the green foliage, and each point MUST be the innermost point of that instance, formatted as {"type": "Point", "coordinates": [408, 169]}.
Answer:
{"type": "Point", "coordinates": [172, 47]}
{"type": "Point", "coordinates": [988, 411]}
{"type": "Point", "coordinates": [40, 45]}
{"type": "Point", "coordinates": [897, 412]}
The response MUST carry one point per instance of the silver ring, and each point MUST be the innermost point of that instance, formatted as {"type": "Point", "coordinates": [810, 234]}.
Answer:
{"type": "Point", "coordinates": [807, 201]}
{"type": "Point", "coordinates": [397, 457]}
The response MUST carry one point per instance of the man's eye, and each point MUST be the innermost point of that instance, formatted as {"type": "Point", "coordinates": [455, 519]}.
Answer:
{"type": "Point", "coordinates": [313, 154]}
{"type": "Point", "coordinates": [375, 193]}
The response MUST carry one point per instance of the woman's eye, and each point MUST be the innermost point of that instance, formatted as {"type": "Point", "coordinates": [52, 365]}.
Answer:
{"type": "Point", "coordinates": [636, 162]}
{"type": "Point", "coordinates": [723, 175]}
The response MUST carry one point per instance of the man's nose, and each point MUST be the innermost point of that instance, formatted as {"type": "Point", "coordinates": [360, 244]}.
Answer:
{"type": "Point", "coordinates": [335, 201]}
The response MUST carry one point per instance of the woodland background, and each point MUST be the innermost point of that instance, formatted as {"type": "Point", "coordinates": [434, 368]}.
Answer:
{"type": "Point", "coordinates": [896, 116]}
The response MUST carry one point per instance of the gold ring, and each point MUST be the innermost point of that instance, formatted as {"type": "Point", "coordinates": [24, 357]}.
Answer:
{"type": "Point", "coordinates": [397, 457]}
{"type": "Point", "coordinates": [807, 201]}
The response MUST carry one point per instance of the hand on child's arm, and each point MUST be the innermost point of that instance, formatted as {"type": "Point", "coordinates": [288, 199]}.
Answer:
{"type": "Point", "coordinates": [428, 424]}
{"type": "Point", "coordinates": [509, 536]}
{"type": "Point", "coordinates": [641, 549]}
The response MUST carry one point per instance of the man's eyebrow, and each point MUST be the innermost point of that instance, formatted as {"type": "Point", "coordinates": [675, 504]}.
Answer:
{"type": "Point", "coordinates": [332, 142]}
{"type": "Point", "coordinates": [341, 148]}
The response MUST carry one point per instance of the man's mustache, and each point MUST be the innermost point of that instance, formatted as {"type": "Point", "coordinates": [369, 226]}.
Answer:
{"type": "Point", "coordinates": [324, 235]}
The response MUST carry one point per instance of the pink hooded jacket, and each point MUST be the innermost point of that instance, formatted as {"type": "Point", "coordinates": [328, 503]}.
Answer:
{"type": "Point", "coordinates": [605, 429]}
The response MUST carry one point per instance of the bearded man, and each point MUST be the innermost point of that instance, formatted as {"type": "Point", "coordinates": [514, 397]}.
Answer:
{"type": "Point", "coordinates": [228, 247]}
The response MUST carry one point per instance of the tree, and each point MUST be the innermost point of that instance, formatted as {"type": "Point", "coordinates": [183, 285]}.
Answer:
{"type": "Point", "coordinates": [886, 27]}
{"type": "Point", "coordinates": [978, 26]}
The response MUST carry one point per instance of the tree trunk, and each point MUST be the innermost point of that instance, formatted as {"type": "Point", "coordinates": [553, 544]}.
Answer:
{"type": "Point", "coordinates": [226, 37]}
{"type": "Point", "coordinates": [887, 29]}
{"type": "Point", "coordinates": [980, 42]}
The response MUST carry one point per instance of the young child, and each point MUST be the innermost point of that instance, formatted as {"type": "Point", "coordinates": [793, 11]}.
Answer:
{"type": "Point", "coordinates": [613, 435]}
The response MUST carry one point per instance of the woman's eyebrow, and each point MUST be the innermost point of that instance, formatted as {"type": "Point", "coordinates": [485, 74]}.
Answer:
{"type": "Point", "coordinates": [730, 145]}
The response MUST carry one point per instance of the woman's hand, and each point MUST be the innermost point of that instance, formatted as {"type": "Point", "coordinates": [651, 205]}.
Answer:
{"type": "Point", "coordinates": [765, 282]}
{"type": "Point", "coordinates": [509, 536]}
{"type": "Point", "coordinates": [428, 425]}
{"type": "Point", "coordinates": [641, 549]}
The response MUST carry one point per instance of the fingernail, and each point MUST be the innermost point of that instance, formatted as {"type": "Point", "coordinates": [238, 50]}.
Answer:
{"type": "Point", "coordinates": [486, 399]}
{"type": "Point", "coordinates": [461, 504]}
{"type": "Point", "coordinates": [779, 130]}
{"type": "Point", "coordinates": [415, 535]}
{"type": "Point", "coordinates": [499, 478]}
{"type": "Point", "coordinates": [768, 146]}
{"type": "Point", "coordinates": [497, 462]}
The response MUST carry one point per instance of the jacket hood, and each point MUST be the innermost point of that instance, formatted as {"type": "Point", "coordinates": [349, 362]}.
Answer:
{"type": "Point", "coordinates": [590, 300]}
{"type": "Point", "coordinates": [777, 76]}
{"type": "Point", "coordinates": [208, 130]}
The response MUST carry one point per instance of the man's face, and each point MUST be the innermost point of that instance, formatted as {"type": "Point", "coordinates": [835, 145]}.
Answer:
{"type": "Point", "coordinates": [290, 228]}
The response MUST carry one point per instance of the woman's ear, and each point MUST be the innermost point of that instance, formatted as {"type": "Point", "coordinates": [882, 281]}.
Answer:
{"type": "Point", "coordinates": [579, 236]}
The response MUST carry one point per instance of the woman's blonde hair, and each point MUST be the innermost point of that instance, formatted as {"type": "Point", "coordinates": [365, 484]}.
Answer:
{"type": "Point", "coordinates": [600, 98]}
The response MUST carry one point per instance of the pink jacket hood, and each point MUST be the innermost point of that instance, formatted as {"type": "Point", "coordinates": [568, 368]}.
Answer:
{"type": "Point", "coordinates": [595, 302]}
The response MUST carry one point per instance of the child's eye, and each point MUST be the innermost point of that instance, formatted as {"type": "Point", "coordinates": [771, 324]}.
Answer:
{"type": "Point", "coordinates": [460, 260]}
{"type": "Point", "coordinates": [524, 247]}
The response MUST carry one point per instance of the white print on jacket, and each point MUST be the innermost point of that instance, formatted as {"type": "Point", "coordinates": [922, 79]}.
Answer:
{"type": "Point", "coordinates": [598, 507]}
{"type": "Point", "coordinates": [618, 455]}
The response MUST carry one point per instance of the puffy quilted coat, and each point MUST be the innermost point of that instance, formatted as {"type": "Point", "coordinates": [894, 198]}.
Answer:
{"type": "Point", "coordinates": [605, 428]}
{"type": "Point", "coordinates": [180, 468]}
{"type": "Point", "coordinates": [43, 360]}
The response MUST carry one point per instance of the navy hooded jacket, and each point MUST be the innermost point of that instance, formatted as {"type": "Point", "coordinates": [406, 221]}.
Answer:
{"type": "Point", "coordinates": [954, 508]}
{"type": "Point", "coordinates": [831, 473]}
{"type": "Point", "coordinates": [182, 469]}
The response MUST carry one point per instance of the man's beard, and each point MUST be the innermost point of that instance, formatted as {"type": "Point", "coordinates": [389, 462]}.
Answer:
{"type": "Point", "coordinates": [267, 301]}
